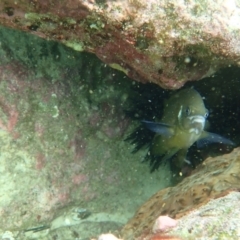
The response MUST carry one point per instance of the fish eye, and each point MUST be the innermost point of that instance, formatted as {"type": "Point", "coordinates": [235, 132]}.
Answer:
{"type": "Point", "coordinates": [188, 110]}
{"type": "Point", "coordinates": [206, 114]}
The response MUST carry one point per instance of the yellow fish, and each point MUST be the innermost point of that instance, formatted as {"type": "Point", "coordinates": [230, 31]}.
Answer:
{"type": "Point", "coordinates": [182, 125]}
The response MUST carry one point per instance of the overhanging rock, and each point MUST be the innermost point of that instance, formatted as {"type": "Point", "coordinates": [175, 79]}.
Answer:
{"type": "Point", "coordinates": [165, 42]}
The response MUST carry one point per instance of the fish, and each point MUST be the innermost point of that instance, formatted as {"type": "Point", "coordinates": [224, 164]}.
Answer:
{"type": "Point", "coordinates": [182, 124]}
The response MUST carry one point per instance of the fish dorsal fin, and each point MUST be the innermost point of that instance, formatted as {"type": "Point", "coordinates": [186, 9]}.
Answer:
{"type": "Point", "coordinates": [160, 128]}
{"type": "Point", "coordinates": [208, 138]}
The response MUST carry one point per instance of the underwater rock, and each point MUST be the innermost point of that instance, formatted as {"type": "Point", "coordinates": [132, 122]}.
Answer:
{"type": "Point", "coordinates": [166, 42]}
{"type": "Point", "coordinates": [214, 178]}
{"type": "Point", "coordinates": [62, 150]}
{"type": "Point", "coordinates": [218, 219]}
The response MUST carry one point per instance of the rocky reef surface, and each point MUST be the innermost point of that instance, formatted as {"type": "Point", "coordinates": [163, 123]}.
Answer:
{"type": "Point", "coordinates": [63, 157]}
{"type": "Point", "coordinates": [215, 178]}
{"type": "Point", "coordinates": [217, 219]}
{"type": "Point", "coordinates": [165, 42]}
{"type": "Point", "coordinates": [66, 171]}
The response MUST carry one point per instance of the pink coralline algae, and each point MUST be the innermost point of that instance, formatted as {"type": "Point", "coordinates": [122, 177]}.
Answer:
{"type": "Point", "coordinates": [40, 161]}
{"type": "Point", "coordinates": [108, 236]}
{"type": "Point", "coordinates": [11, 115]}
{"type": "Point", "coordinates": [163, 223]}
{"type": "Point", "coordinates": [79, 179]}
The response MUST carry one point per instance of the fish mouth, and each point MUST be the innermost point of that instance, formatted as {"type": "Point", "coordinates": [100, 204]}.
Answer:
{"type": "Point", "coordinates": [197, 124]}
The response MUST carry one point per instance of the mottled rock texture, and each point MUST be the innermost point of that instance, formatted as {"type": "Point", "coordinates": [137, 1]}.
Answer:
{"type": "Point", "coordinates": [215, 178]}
{"type": "Point", "coordinates": [165, 42]}
{"type": "Point", "coordinates": [61, 138]}
{"type": "Point", "coordinates": [218, 219]}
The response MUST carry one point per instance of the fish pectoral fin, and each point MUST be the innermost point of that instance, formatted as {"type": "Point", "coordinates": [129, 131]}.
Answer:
{"type": "Point", "coordinates": [160, 128]}
{"type": "Point", "coordinates": [208, 138]}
